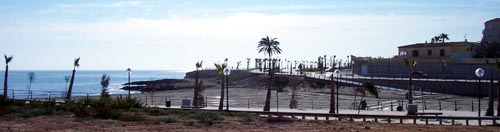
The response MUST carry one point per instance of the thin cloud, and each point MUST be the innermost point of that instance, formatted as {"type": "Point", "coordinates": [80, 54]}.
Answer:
{"type": "Point", "coordinates": [120, 4]}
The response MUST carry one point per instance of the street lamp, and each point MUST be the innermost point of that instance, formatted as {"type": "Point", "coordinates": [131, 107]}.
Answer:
{"type": "Point", "coordinates": [227, 72]}
{"type": "Point", "coordinates": [337, 73]}
{"type": "Point", "coordinates": [479, 75]}
{"type": "Point", "coordinates": [129, 71]}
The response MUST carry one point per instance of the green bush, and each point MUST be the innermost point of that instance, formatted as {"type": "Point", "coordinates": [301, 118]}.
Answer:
{"type": "Point", "coordinates": [134, 117]}
{"type": "Point", "coordinates": [156, 111]}
{"type": "Point", "coordinates": [207, 117]}
{"type": "Point", "coordinates": [168, 120]}
{"type": "Point", "coordinates": [247, 119]}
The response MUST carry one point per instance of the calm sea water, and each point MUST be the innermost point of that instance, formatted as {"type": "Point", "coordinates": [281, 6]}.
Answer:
{"type": "Point", "coordinates": [85, 81]}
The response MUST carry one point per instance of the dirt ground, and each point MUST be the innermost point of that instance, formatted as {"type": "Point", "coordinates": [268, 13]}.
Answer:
{"type": "Point", "coordinates": [70, 123]}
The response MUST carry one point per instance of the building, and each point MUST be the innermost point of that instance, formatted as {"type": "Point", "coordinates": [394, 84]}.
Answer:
{"type": "Point", "coordinates": [440, 51]}
{"type": "Point", "coordinates": [491, 30]}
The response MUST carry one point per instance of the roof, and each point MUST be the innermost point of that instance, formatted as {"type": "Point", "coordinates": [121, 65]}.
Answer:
{"type": "Point", "coordinates": [493, 20]}
{"type": "Point", "coordinates": [446, 44]}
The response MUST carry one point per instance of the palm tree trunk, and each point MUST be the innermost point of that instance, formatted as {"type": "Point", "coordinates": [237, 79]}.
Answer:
{"type": "Point", "coordinates": [267, 105]}
{"type": "Point", "coordinates": [410, 92]}
{"type": "Point", "coordinates": [489, 110]}
{"type": "Point", "coordinates": [293, 100]}
{"type": "Point", "coordinates": [332, 95]}
{"type": "Point", "coordinates": [498, 97]}
{"type": "Point", "coordinates": [5, 81]}
{"type": "Point", "coordinates": [359, 106]}
{"type": "Point", "coordinates": [196, 91]}
{"type": "Point", "coordinates": [68, 97]}
{"type": "Point", "coordinates": [221, 101]}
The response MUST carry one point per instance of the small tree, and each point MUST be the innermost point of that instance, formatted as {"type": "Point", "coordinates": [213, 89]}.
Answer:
{"type": "Point", "coordinates": [105, 83]}
{"type": "Point", "coordinates": [220, 71]}
{"type": "Point", "coordinates": [411, 65]}
{"type": "Point", "coordinates": [196, 95]}
{"type": "Point", "coordinates": [31, 79]}
{"type": "Point", "coordinates": [367, 87]}
{"type": "Point", "coordinates": [238, 65]}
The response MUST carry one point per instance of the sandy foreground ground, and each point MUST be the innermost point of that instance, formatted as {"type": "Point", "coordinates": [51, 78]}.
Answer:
{"type": "Point", "coordinates": [70, 123]}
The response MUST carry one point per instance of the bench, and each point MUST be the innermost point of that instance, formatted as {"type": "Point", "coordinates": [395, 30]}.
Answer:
{"type": "Point", "coordinates": [430, 113]}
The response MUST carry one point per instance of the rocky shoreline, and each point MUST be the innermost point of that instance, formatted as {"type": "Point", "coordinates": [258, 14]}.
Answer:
{"type": "Point", "coordinates": [210, 79]}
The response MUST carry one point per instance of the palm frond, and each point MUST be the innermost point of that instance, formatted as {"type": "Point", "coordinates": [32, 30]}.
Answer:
{"type": "Point", "coordinates": [77, 62]}
{"type": "Point", "coordinates": [8, 59]}
{"type": "Point", "coordinates": [370, 87]}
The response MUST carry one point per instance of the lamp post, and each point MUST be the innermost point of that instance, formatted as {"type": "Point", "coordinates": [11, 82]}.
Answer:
{"type": "Point", "coordinates": [227, 72]}
{"type": "Point", "coordinates": [129, 71]}
{"type": "Point", "coordinates": [337, 73]}
{"type": "Point", "coordinates": [479, 74]}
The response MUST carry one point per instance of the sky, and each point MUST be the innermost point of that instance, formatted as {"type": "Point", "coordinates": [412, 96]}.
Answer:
{"type": "Point", "coordinates": [174, 35]}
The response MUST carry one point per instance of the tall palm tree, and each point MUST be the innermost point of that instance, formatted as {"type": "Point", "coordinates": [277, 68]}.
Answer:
{"type": "Point", "coordinates": [238, 65]}
{"type": "Point", "coordinates": [248, 63]}
{"type": "Point", "coordinates": [497, 61]}
{"type": "Point", "coordinates": [8, 59]}
{"type": "Point", "coordinates": [197, 89]}
{"type": "Point", "coordinates": [443, 36]}
{"type": "Point", "coordinates": [105, 83]}
{"type": "Point", "coordinates": [410, 64]}
{"type": "Point", "coordinates": [269, 46]}
{"type": "Point", "coordinates": [220, 71]}
{"type": "Point", "coordinates": [332, 94]}
{"type": "Point", "coordinates": [76, 64]}
{"type": "Point", "coordinates": [367, 87]}
{"type": "Point", "coordinates": [31, 79]}
{"type": "Point", "coordinates": [489, 110]}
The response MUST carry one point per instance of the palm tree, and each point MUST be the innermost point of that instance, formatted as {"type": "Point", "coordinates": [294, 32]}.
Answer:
{"type": "Point", "coordinates": [433, 40]}
{"type": "Point", "coordinates": [220, 71]}
{"type": "Point", "coordinates": [443, 36]}
{"type": "Point", "coordinates": [105, 83]}
{"type": "Point", "coordinates": [367, 87]}
{"type": "Point", "coordinates": [8, 59]}
{"type": "Point", "coordinates": [410, 64]}
{"type": "Point", "coordinates": [197, 86]}
{"type": "Point", "coordinates": [489, 110]}
{"type": "Point", "coordinates": [294, 83]}
{"type": "Point", "coordinates": [76, 64]}
{"type": "Point", "coordinates": [66, 79]}
{"type": "Point", "coordinates": [248, 63]}
{"type": "Point", "coordinates": [31, 79]}
{"type": "Point", "coordinates": [332, 95]}
{"type": "Point", "coordinates": [437, 39]}
{"type": "Point", "coordinates": [497, 61]}
{"type": "Point", "coordinates": [238, 65]}
{"type": "Point", "coordinates": [269, 46]}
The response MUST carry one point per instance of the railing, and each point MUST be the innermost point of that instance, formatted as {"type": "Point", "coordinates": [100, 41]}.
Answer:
{"type": "Point", "coordinates": [42, 94]}
{"type": "Point", "coordinates": [402, 119]}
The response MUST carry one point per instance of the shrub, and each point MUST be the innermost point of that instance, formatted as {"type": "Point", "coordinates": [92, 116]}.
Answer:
{"type": "Point", "coordinates": [168, 120]}
{"type": "Point", "coordinates": [247, 119]}
{"type": "Point", "coordinates": [134, 117]}
{"type": "Point", "coordinates": [207, 117]}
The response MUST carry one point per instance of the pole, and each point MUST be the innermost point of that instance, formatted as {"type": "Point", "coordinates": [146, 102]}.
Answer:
{"type": "Point", "coordinates": [227, 93]}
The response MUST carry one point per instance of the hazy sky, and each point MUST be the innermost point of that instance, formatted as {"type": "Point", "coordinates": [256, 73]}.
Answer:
{"type": "Point", "coordinates": [173, 35]}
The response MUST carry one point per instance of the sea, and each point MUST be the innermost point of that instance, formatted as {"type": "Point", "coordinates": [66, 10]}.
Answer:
{"type": "Point", "coordinates": [86, 82]}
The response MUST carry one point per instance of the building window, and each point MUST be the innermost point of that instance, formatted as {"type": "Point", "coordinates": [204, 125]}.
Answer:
{"type": "Point", "coordinates": [414, 53]}
{"type": "Point", "coordinates": [441, 52]}
{"type": "Point", "coordinates": [429, 52]}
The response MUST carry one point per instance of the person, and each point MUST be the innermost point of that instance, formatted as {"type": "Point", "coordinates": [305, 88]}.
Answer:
{"type": "Point", "coordinates": [363, 105]}
{"type": "Point", "coordinates": [399, 108]}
